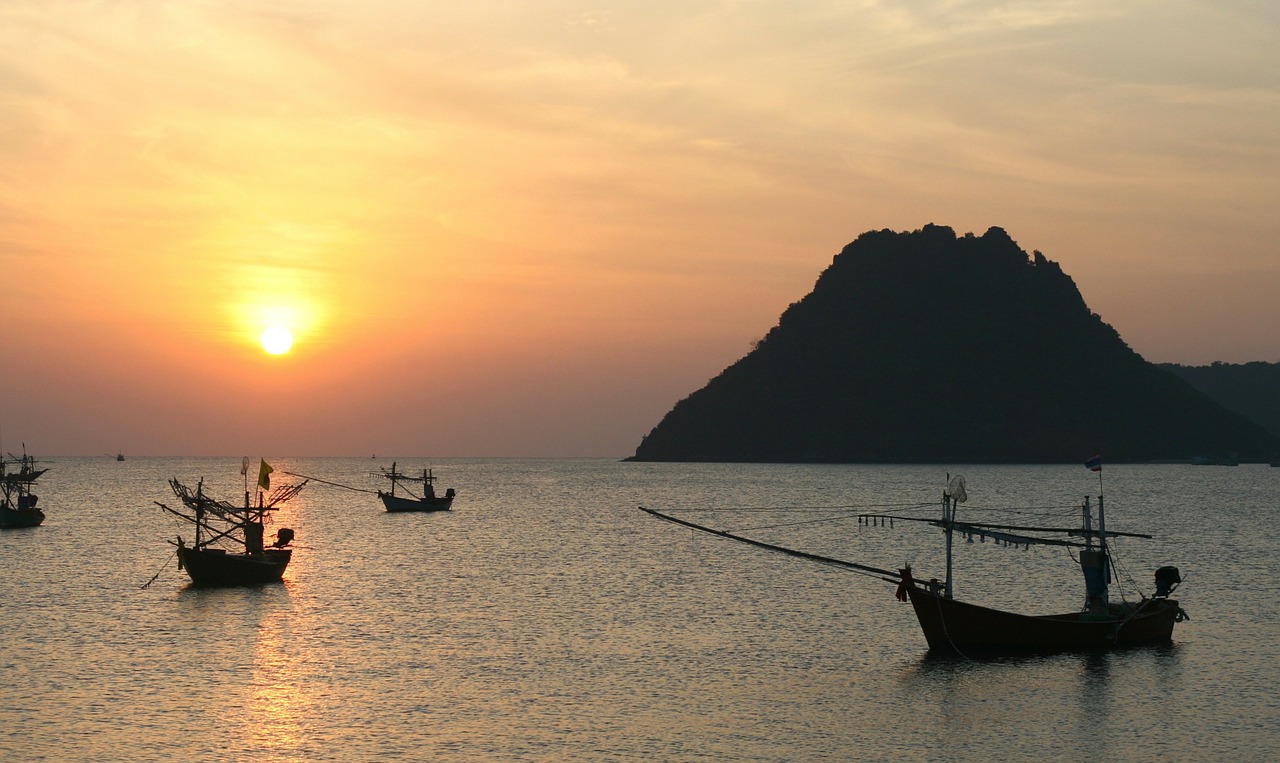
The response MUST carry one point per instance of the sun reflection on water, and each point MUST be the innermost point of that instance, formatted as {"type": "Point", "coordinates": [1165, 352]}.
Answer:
{"type": "Point", "coordinates": [278, 708]}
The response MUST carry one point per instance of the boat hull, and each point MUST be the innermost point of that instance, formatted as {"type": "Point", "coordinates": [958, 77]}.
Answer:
{"type": "Point", "coordinates": [434, 503]}
{"type": "Point", "coordinates": [20, 517]}
{"type": "Point", "coordinates": [214, 567]}
{"type": "Point", "coordinates": [952, 626]}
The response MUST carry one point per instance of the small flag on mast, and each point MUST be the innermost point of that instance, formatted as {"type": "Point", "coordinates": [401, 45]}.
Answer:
{"type": "Point", "coordinates": [264, 475]}
{"type": "Point", "coordinates": [1095, 463]}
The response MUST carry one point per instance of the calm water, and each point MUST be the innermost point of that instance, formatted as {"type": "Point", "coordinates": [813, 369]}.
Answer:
{"type": "Point", "coordinates": [546, 619]}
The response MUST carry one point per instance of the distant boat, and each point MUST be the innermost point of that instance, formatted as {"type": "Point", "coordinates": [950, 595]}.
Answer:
{"type": "Point", "coordinates": [17, 502]}
{"type": "Point", "coordinates": [228, 549]}
{"type": "Point", "coordinates": [409, 500]}
{"type": "Point", "coordinates": [1230, 460]}
{"type": "Point", "coordinates": [119, 456]}
{"type": "Point", "coordinates": [955, 627]}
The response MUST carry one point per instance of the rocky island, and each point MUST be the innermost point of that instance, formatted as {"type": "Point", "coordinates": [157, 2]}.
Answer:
{"type": "Point", "coordinates": [928, 347]}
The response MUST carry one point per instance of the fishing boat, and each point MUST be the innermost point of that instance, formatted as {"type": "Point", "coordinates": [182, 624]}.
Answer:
{"type": "Point", "coordinates": [951, 626]}
{"type": "Point", "coordinates": [229, 548]}
{"type": "Point", "coordinates": [1230, 460]}
{"type": "Point", "coordinates": [18, 476]}
{"type": "Point", "coordinates": [408, 500]}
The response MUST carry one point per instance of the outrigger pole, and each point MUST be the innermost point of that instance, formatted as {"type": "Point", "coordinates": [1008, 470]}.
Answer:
{"type": "Point", "coordinates": [885, 575]}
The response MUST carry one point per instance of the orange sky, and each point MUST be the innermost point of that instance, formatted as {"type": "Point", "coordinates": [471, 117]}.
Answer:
{"type": "Point", "coordinates": [529, 229]}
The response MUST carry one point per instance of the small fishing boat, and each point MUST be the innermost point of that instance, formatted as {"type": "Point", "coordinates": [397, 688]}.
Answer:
{"type": "Point", "coordinates": [951, 626]}
{"type": "Point", "coordinates": [229, 547]}
{"type": "Point", "coordinates": [18, 476]}
{"type": "Point", "coordinates": [408, 500]}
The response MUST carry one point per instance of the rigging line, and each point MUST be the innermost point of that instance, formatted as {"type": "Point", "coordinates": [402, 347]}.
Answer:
{"type": "Point", "coordinates": [1122, 570]}
{"type": "Point", "coordinates": [862, 569]}
{"type": "Point", "coordinates": [850, 508]}
{"type": "Point", "coordinates": [842, 507]}
{"type": "Point", "coordinates": [946, 631]}
{"type": "Point", "coordinates": [1047, 511]}
{"type": "Point", "coordinates": [335, 484]}
{"type": "Point", "coordinates": [795, 524]}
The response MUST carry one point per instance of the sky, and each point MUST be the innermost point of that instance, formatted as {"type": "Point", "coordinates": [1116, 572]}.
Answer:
{"type": "Point", "coordinates": [529, 229]}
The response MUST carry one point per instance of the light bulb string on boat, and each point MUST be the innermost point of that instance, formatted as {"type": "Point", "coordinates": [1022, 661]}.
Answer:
{"type": "Point", "coordinates": [1050, 512]}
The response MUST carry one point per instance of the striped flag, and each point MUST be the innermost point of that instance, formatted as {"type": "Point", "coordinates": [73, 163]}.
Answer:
{"type": "Point", "coordinates": [1095, 463]}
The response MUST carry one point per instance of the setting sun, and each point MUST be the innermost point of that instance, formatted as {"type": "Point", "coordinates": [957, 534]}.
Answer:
{"type": "Point", "coordinates": [276, 340]}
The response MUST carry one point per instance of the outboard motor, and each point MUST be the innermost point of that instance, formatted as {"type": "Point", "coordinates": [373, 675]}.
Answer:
{"type": "Point", "coordinates": [1167, 580]}
{"type": "Point", "coordinates": [284, 536]}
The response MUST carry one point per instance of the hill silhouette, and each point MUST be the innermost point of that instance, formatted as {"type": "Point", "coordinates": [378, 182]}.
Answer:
{"type": "Point", "coordinates": [927, 347]}
{"type": "Point", "coordinates": [1249, 389]}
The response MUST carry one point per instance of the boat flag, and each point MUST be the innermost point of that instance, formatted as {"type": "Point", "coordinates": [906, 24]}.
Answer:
{"type": "Point", "coordinates": [264, 475]}
{"type": "Point", "coordinates": [1095, 463]}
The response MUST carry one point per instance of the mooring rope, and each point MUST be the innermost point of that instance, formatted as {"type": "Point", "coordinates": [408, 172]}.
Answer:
{"type": "Point", "coordinates": [166, 564]}
{"type": "Point", "coordinates": [335, 484]}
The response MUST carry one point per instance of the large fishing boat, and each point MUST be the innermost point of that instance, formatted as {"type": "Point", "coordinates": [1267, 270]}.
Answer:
{"type": "Point", "coordinates": [951, 626]}
{"type": "Point", "coordinates": [229, 548]}
{"type": "Point", "coordinates": [408, 500]}
{"type": "Point", "coordinates": [18, 475]}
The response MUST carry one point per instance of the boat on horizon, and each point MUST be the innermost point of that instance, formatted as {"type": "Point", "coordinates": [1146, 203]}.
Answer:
{"type": "Point", "coordinates": [955, 627]}
{"type": "Point", "coordinates": [17, 502]}
{"type": "Point", "coordinates": [229, 548]}
{"type": "Point", "coordinates": [1230, 460]}
{"type": "Point", "coordinates": [408, 500]}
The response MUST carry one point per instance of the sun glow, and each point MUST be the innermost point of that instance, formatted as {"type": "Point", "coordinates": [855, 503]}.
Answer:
{"type": "Point", "coordinates": [276, 339]}
{"type": "Point", "coordinates": [277, 328]}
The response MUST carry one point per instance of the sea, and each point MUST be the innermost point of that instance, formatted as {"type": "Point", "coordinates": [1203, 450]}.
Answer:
{"type": "Point", "coordinates": [547, 618]}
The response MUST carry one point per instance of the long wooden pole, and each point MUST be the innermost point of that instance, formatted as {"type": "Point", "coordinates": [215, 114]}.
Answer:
{"type": "Point", "coordinates": [885, 575]}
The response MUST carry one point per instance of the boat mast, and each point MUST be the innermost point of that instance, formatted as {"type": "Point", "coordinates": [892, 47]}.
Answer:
{"type": "Point", "coordinates": [948, 524]}
{"type": "Point", "coordinates": [1094, 562]}
{"type": "Point", "coordinates": [1102, 525]}
{"type": "Point", "coordinates": [253, 527]}
{"type": "Point", "coordinates": [951, 497]}
{"type": "Point", "coordinates": [199, 507]}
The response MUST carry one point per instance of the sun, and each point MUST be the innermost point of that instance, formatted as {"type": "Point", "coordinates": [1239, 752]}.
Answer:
{"type": "Point", "coordinates": [276, 339]}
